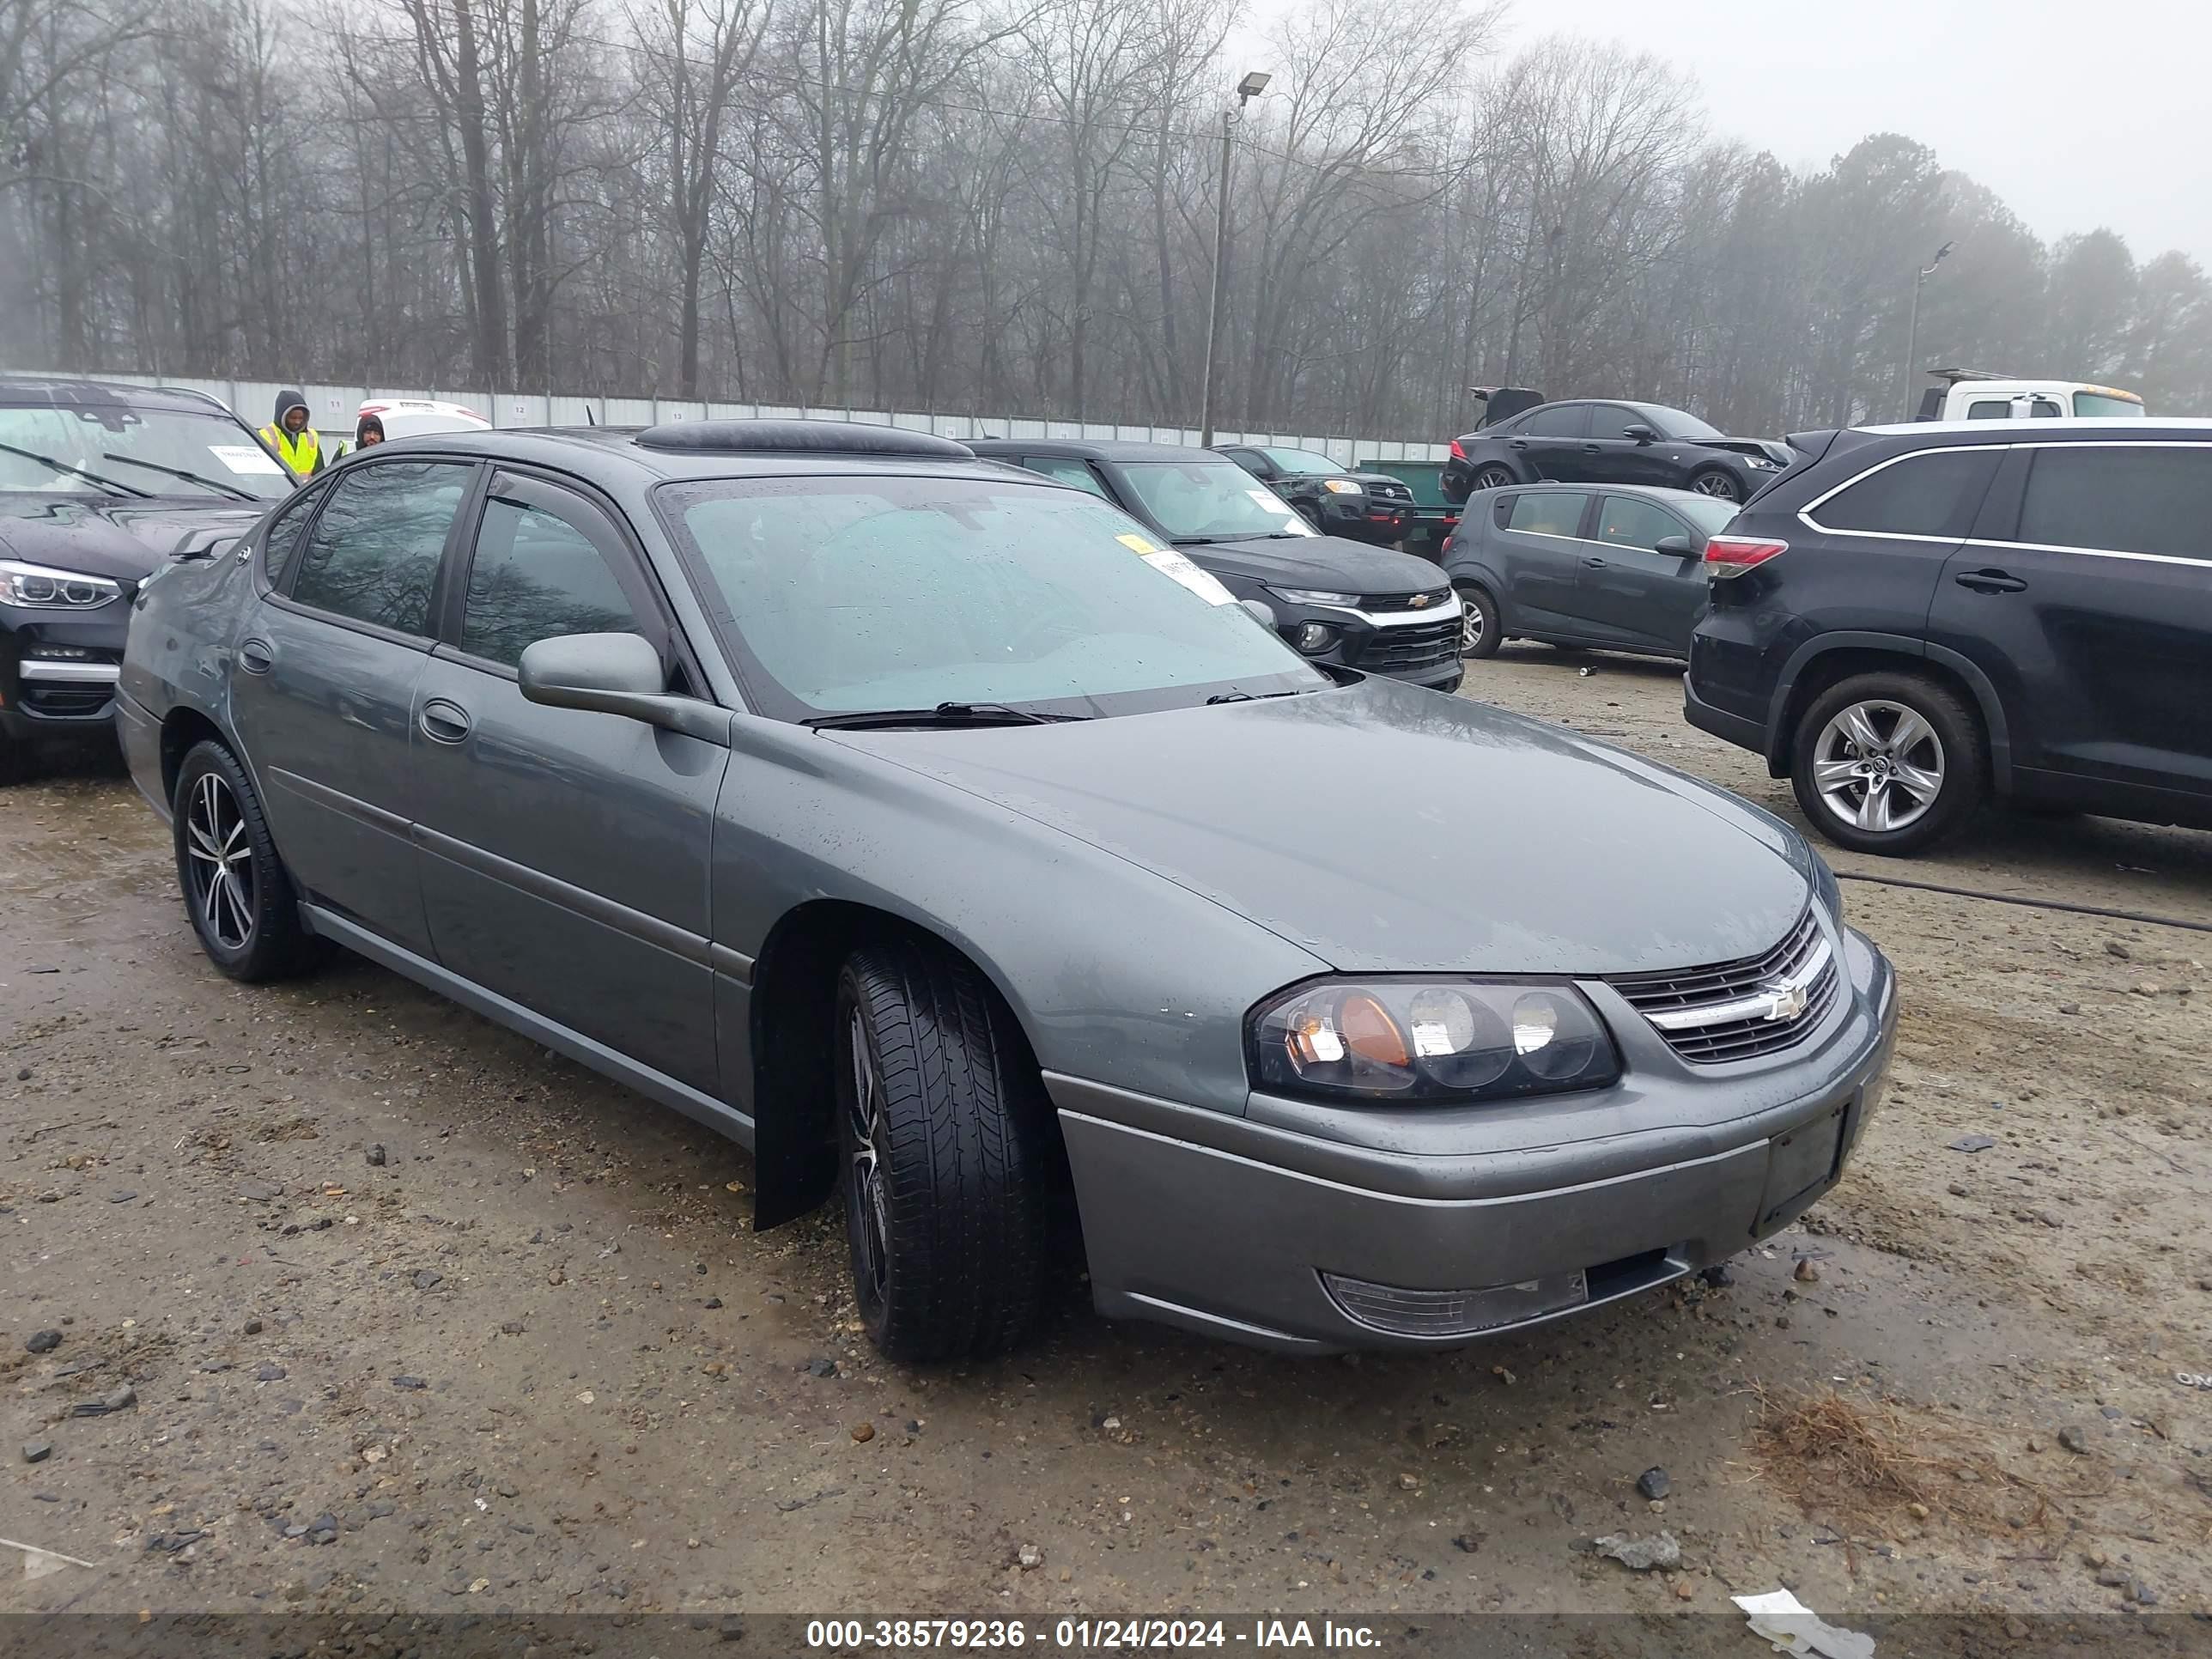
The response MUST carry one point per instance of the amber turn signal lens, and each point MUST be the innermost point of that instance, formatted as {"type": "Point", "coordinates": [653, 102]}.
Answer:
{"type": "Point", "coordinates": [1370, 1033]}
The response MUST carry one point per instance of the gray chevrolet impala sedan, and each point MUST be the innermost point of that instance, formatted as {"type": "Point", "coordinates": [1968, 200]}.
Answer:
{"type": "Point", "coordinates": [927, 830]}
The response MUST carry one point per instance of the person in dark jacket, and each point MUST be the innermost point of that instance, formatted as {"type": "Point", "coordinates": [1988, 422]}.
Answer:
{"type": "Point", "coordinates": [297, 444]}
{"type": "Point", "coordinates": [369, 431]}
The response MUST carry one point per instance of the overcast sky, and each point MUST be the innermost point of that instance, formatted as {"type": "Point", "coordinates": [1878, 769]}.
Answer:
{"type": "Point", "coordinates": [2078, 114]}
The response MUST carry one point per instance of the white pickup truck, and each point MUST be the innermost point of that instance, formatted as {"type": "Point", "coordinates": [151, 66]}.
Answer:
{"type": "Point", "coordinates": [1973, 394]}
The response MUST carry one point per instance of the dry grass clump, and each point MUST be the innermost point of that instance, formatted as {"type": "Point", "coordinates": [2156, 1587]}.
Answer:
{"type": "Point", "coordinates": [1868, 1465]}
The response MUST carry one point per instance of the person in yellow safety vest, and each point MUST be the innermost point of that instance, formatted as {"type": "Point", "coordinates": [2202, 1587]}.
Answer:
{"type": "Point", "coordinates": [298, 445]}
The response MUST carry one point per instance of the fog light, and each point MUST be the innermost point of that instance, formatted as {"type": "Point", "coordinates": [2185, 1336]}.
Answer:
{"type": "Point", "coordinates": [1316, 637]}
{"type": "Point", "coordinates": [1403, 1312]}
{"type": "Point", "coordinates": [57, 652]}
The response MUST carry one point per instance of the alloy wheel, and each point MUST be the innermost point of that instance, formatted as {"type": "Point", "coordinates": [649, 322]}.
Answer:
{"type": "Point", "coordinates": [1493, 478]}
{"type": "Point", "coordinates": [1471, 622]}
{"type": "Point", "coordinates": [867, 1205]}
{"type": "Point", "coordinates": [1879, 766]}
{"type": "Point", "coordinates": [222, 862]}
{"type": "Point", "coordinates": [1717, 485]}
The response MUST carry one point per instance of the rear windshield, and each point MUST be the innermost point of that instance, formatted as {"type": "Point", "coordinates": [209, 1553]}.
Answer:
{"type": "Point", "coordinates": [861, 594]}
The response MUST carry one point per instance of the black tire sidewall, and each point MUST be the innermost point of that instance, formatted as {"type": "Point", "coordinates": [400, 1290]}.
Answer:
{"type": "Point", "coordinates": [1493, 628]}
{"type": "Point", "coordinates": [874, 1310]}
{"type": "Point", "coordinates": [1957, 727]}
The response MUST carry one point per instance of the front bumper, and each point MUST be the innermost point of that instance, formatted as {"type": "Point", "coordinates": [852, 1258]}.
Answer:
{"type": "Point", "coordinates": [57, 673]}
{"type": "Point", "coordinates": [1420, 646]}
{"type": "Point", "coordinates": [1236, 1227]}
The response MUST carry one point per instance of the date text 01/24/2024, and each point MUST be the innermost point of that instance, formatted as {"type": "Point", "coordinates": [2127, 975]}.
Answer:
{"type": "Point", "coordinates": [1082, 1635]}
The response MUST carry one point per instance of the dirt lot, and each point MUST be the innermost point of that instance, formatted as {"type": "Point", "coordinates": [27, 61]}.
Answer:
{"type": "Point", "coordinates": [418, 1318]}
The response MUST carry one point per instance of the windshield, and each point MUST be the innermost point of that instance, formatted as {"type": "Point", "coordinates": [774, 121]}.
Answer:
{"type": "Point", "coordinates": [107, 449]}
{"type": "Point", "coordinates": [2099, 402]}
{"type": "Point", "coordinates": [1189, 499]}
{"type": "Point", "coordinates": [1675, 423]}
{"type": "Point", "coordinates": [854, 594]}
{"type": "Point", "coordinates": [1301, 460]}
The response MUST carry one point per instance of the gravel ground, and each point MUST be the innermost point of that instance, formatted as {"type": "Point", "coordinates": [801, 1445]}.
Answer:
{"type": "Point", "coordinates": [396, 1312]}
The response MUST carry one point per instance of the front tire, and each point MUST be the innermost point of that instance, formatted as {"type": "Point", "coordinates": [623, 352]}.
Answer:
{"type": "Point", "coordinates": [240, 900]}
{"type": "Point", "coordinates": [1717, 483]}
{"type": "Point", "coordinates": [1480, 632]}
{"type": "Point", "coordinates": [942, 1172]}
{"type": "Point", "coordinates": [1888, 762]}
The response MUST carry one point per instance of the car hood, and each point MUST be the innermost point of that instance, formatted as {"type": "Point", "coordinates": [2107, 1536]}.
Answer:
{"type": "Point", "coordinates": [1331, 562]}
{"type": "Point", "coordinates": [1387, 829]}
{"type": "Point", "coordinates": [122, 539]}
{"type": "Point", "coordinates": [1779, 453]}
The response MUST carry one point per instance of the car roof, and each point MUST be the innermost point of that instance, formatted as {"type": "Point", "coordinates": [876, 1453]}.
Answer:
{"type": "Point", "coordinates": [2131, 425]}
{"type": "Point", "coordinates": [597, 450]}
{"type": "Point", "coordinates": [1091, 449]}
{"type": "Point", "coordinates": [61, 392]}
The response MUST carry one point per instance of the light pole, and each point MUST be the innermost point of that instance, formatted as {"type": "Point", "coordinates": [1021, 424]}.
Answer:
{"type": "Point", "coordinates": [1912, 331]}
{"type": "Point", "coordinates": [1249, 88]}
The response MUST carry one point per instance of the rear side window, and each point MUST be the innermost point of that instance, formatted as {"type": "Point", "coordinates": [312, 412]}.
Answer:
{"type": "Point", "coordinates": [1548, 512]}
{"type": "Point", "coordinates": [1560, 421]}
{"type": "Point", "coordinates": [373, 554]}
{"type": "Point", "coordinates": [282, 543]}
{"type": "Point", "coordinates": [2120, 498]}
{"type": "Point", "coordinates": [1935, 492]}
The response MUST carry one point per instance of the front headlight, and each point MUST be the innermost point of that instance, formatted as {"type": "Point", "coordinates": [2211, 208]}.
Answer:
{"type": "Point", "coordinates": [36, 585]}
{"type": "Point", "coordinates": [1313, 596]}
{"type": "Point", "coordinates": [1442, 1040]}
{"type": "Point", "coordinates": [1760, 462]}
{"type": "Point", "coordinates": [1339, 486]}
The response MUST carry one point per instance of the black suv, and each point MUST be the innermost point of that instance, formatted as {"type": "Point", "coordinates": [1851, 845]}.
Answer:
{"type": "Point", "coordinates": [1366, 506]}
{"type": "Point", "coordinates": [99, 485]}
{"type": "Point", "coordinates": [1920, 616]}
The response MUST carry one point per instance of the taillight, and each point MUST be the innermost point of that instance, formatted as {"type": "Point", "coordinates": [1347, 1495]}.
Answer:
{"type": "Point", "coordinates": [1457, 453]}
{"type": "Point", "coordinates": [1731, 555]}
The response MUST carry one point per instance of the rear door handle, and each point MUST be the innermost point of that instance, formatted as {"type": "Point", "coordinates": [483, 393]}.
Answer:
{"type": "Point", "coordinates": [1517, 443]}
{"type": "Point", "coordinates": [1592, 449]}
{"type": "Point", "coordinates": [255, 656]}
{"type": "Point", "coordinates": [1595, 564]}
{"type": "Point", "coordinates": [1990, 581]}
{"type": "Point", "coordinates": [445, 722]}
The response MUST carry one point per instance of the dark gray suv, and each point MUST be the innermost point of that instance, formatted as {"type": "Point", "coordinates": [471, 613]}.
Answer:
{"type": "Point", "coordinates": [923, 827]}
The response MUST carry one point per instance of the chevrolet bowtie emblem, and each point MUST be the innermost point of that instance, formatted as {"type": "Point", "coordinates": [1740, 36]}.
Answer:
{"type": "Point", "coordinates": [1786, 1002]}
{"type": "Point", "coordinates": [1419, 600]}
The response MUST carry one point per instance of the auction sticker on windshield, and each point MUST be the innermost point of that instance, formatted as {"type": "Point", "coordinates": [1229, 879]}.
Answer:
{"type": "Point", "coordinates": [1269, 499]}
{"type": "Point", "coordinates": [243, 458]}
{"type": "Point", "coordinates": [1137, 544]}
{"type": "Point", "coordinates": [1177, 567]}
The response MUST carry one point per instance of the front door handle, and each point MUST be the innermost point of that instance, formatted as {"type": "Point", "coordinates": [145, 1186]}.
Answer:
{"type": "Point", "coordinates": [1990, 581]}
{"type": "Point", "coordinates": [1592, 449]}
{"type": "Point", "coordinates": [1595, 564]}
{"type": "Point", "coordinates": [445, 722]}
{"type": "Point", "coordinates": [255, 656]}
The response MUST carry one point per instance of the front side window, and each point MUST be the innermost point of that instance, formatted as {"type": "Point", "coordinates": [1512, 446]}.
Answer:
{"type": "Point", "coordinates": [535, 575]}
{"type": "Point", "coordinates": [1061, 469]}
{"type": "Point", "coordinates": [2122, 498]}
{"type": "Point", "coordinates": [1549, 513]}
{"type": "Point", "coordinates": [2088, 404]}
{"type": "Point", "coordinates": [1935, 492]}
{"type": "Point", "coordinates": [1558, 421]}
{"type": "Point", "coordinates": [857, 594]}
{"type": "Point", "coordinates": [1191, 499]}
{"type": "Point", "coordinates": [374, 553]}
{"type": "Point", "coordinates": [1613, 420]}
{"type": "Point", "coordinates": [1624, 521]}
{"type": "Point", "coordinates": [119, 450]}
{"type": "Point", "coordinates": [1680, 423]}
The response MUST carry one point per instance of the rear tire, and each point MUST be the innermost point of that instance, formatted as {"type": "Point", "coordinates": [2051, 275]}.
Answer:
{"type": "Point", "coordinates": [240, 900]}
{"type": "Point", "coordinates": [943, 1170]}
{"type": "Point", "coordinates": [1493, 477]}
{"type": "Point", "coordinates": [1888, 762]}
{"type": "Point", "coordinates": [1480, 631]}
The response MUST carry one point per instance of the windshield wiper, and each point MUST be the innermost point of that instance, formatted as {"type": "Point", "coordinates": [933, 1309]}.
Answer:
{"type": "Point", "coordinates": [232, 490]}
{"type": "Point", "coordinates": [944, 714]}
{"type": "Point", "coordinates": [119, 488]}
{"type": "Point", "coordinates": [1250, 696]}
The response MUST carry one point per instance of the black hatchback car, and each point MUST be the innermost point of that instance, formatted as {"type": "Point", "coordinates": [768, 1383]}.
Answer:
{"type": "Point", "coordinates": [1335, 601]}
{"type": "Point", "coordinates": [1923, 616]}
{"type": "Point", "coordinates": [1622, 443]}
{"type": "Point", "coordinates": [100, 485]}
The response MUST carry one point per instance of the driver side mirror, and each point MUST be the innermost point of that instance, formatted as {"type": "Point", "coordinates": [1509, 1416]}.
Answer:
{"type": "Point", "coordinates": [1678, 545]}
{"type": "Point", "coordinates": [1641, 433]}
{"type": "Point", "coordinates": [616, 674]}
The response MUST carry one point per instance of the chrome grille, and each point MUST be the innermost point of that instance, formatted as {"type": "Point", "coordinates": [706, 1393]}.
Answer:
{"type": "Point", "coordinates": [1403, 600]}
{"type": "Point", "coordinates": [1740, 1009]}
